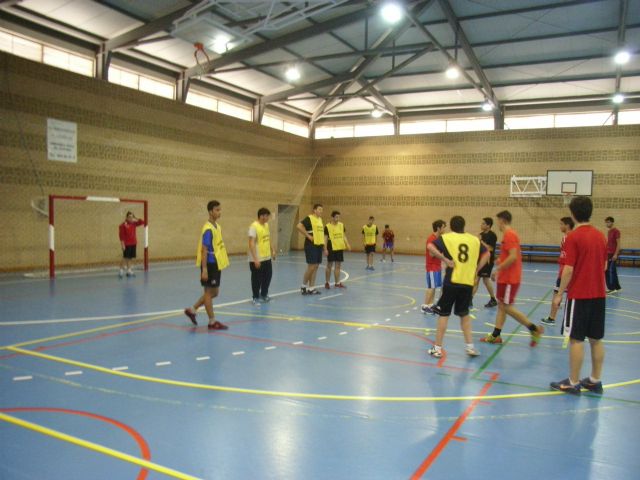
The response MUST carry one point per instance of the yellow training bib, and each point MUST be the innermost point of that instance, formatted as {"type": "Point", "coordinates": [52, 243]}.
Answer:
{"type": "Point", "coordinates": [219, 250]}
{"type": "Point", "coordinates": [464, 249]}
{"type": "Point", "coordinates": [318, 230]}
{"type": "Point", "coordinates": [369, 234]}
{"type": "Point", "coordinates": [336, 235]}
{"type": "Point", "coordinates": [263, 241]}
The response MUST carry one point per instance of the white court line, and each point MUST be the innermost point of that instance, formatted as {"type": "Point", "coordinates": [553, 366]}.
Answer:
{"type": "Point", "coordinates": [200, 359]}
{"type": "Point", "coordinates": [119, 369]}
{"type": "Point", "coordinates": [73, 372]}
{"type": "Point", "coordinates": [397, 315]}
{"type": "Point", "coordinates": [331, 296]}
{"type": "Point", "coordinates": [23, 378]}
{"type": "Point", "coordinates": [272, 347]}
{"type": "Point", "coordinates": [387, 319]}
{"type": "Point", "coordinates": [299, 342]}
{"type": "Point", "coordinates": [322, 338]}
{"type": "Point", "coordinates": [343, 333]}
{"type": "Point", "coordinates": [360, 328]}
{"type": "Point", "coordinates": [137, 315]}
{"type": "Point", "coordinates": [238, 353]}
{"type": "Point", "coordinates": [162, 364]}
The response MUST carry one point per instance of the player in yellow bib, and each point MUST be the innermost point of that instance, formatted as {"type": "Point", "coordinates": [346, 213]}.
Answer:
{"type": "Point", "coordinates": [313, 230]}
{"type": "Point", "coordinates": [336, 239]}
{"type": "Point", "coordinates": [464, 256]}
{"type": "Point", "coordinates": [261, 252]}
{"type": "Point", "coordinates": [369, 237]}
{"type": "Point", "coordinates": [211, 257]}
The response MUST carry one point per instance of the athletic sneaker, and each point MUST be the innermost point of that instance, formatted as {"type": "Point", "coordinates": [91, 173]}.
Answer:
{"type": "Point", "coordinates": [371, 268]}
{"type": "Point", "coordinates": [435, 309]}
{"type": "Point", "coordinates": [130, 274]}
{"type": "Point", "coordinates": [426, 309]}
{"type": "Point", "coordinates": [266, 299]}
{"type": "Point", "coordinates": [313, 291]}
{"type": "Point", "coordinates": [491, 339]}
{"type": "Point", "coordinates": [121, 273]}
{"type": "Point", "coordinates": [472, 352]}
{"type": "Point", "coordinates": [434, 352]}
{"type": "Point", "coordinates": [548, 321]}
{"type": "Point", "coordinates": [327, 286]}
{"type": "Point", "coordinates": [340, 285]}
{"type": "Point", "coordinates": [595, 387]}
{"type": "Point", "coordinates": [566, 387]}
{"type": "Point", "coordinates": [492, 303]}
{"type": "Point", "coordinates": [382, 260]}
{"type": "Point", "coordinates": [536, 336]}
{"type": "Point", "coordinates": [255, 301]}
{"type": "Point", "coordinates": [191, 315]}
{"type": "Point", "coordinates": [217, 326]}
{"type": "Point", "coordinates": [303, 291]}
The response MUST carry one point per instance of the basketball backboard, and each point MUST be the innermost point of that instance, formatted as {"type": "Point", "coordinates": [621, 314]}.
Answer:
{"type": "Point", "coordinates": [574, 182]}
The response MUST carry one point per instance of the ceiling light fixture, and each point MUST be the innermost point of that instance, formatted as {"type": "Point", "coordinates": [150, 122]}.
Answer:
{"type": "Point", "coordinates": [618, 98]}
{"type": "Point", "coordinates": [375, 113]}
{"type": "Point", "coordinates": [487, 106]}
{"type": "Point", "coordinates": [221, 44]}
{"type": "Point", "coordinates": [622, 57]}
{"type": "Point", "coordinates": [452, 72]}
{"type": "Point", "coordinates": [292, 74]}
{"type": "Point", "coordinates": [391, 12]}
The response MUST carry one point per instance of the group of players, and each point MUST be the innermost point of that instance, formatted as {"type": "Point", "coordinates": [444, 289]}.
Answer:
{"type": "Point", "coordinates": [585, 258]}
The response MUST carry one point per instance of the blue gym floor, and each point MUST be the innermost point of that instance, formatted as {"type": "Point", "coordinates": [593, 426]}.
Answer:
{"type": "Point", "coordinates": [102, 378]}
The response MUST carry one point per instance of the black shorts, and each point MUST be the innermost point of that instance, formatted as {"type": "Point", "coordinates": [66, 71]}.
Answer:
{"type": "Point", "coordinates": [486, 270]}
{"type": "Point", "coordinates": [369, 249]}
{"type": "Point", "coordinates": [313, 253]}
{"type": "Point", "coordinates": [336, 256]}
{"type": "Point", "coordinates": [129, 251]}
{"type": "Point", "coordinates": [457, 297]}
{"type": "Point", "coordinates": [213, 276]}
{"type": "Point", "coordinates": [584, 318]}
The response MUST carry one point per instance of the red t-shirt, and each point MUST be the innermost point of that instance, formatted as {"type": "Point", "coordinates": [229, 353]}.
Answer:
{"type": "Point", "coordinates": [612, 240]}
{"type": "Point", "coordinates": [433, 264]}
{"type": "Point", "coordinates": [388, 235]}
{"type": "Point", "coordinates": [586, 250]}
{"type": "Point", "coordinates": [513, 273]}
{"type": "Point", "coordinates": [127, 232]}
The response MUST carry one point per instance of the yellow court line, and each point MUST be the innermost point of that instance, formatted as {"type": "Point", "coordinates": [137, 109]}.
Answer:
{"type": "Point", "coordinates": [91, 330]}
{"type": "Point", "coordinates": [624, 298]}
{"type": "Point", "coordinates": [274, 393]}
{"type": "Point", "coordinates": [95, 447]}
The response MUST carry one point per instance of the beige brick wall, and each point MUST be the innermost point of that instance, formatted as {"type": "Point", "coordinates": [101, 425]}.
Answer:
{"type": "Point", "coordinates": [410, 181]}
{"type": "Point", "coordinates": [131, 145]}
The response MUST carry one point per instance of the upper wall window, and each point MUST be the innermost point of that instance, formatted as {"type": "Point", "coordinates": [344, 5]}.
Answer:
{"type": "Point", "coordinates": [143, 83]}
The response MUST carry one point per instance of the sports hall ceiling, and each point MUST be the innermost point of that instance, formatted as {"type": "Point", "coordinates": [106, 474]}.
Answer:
{"type": "Point", "coordinates": [517, 54]}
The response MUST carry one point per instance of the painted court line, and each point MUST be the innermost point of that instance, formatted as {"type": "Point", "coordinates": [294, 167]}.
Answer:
{"type": "Point", "coordinates": [23, 378]}
{"type": "Point", "coordinates": [299, 342]}
{"type": "Point", "coordinates": [73, 372]}
{"type": "Point", "coordinates": [162, 364]}
{"type": "Point", "coordinates": [272, 347]}
{"type": "Point", "coordinates": [238, 353]}
{"type": "Point", "coordinates": [200, 359]}
{"type": "Point", "coordinates": [322, 338]}
{"type": "Point", "coordinates": [120, 369]}
{"type": "Point", "coordinates": [343, 333]}
{"type": "Point", "coordinates": [331, 296]}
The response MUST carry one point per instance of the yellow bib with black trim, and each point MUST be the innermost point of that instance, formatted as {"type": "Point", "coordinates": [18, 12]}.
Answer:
{"type": "Point", "coordinates": [464, 249]}
{"type": "Point", "coordinates": [336, 235]}
{"type": "Point", "coordinates": [263, 241]}
{"type": "Point", "coordinates": [369, 234]}
{"type": "Point", "coordinates": [219, 250]}
{"type": "Point", "coordinates": [318, 230]}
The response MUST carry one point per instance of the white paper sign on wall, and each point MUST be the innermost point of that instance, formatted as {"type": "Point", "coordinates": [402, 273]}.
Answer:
{"type": "Point", "coordinates": [62, 140]}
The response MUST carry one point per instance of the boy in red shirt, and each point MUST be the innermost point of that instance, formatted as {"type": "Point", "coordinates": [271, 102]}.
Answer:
{"type": "Point", "coordinates": [584, 315]}
{"type": "Point", "coordinates": [509, 273]}
{"type": "Point", "coordinates": [128, 242]}
{"type": "Point", "coordinates": [434, 270]}
{"type": "Point", "coordinates": [388, 237]}
{"type": "Point", "coordinates": [566, 225]}
{"type": "Point", "coordinates": [613, 250]}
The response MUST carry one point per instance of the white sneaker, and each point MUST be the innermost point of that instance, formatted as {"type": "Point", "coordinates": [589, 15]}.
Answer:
{"type": "Point", "coordinates": [121, 273]}
{"type": "Point", "coordinates": [434, 352]}
{"type": "Point", "coordinates": [472, 352]}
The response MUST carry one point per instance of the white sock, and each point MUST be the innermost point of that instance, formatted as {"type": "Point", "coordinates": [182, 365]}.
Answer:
{"type": "Point", "coordinates": [470, 346]}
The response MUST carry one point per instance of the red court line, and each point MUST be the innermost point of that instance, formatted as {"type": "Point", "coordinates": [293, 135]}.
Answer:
{"type": "Point", "coordinates": [452, 431]}
{"type": "Point", "coordinates": [144, 447]}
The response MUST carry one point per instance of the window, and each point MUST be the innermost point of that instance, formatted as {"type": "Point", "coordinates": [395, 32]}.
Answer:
{"type": "Point", "coordinates": [534, 121]}
{"type": "Point", "coordinates": [202, 101]}
{"type": "Point", "coordinates": [628, 117]}
{"type": "Point", "coordinates": [273, 122]}
{"type": "Point", "coordinates": [373, 129]}
{"type": "Point", "coordinates": [335, 131]}
{"type": "Point", "coordinates": [470, 124]}
{"type": "Point", "coordinates": [583, 119]}
{"type": "Point", "coordinates": [425, 126]}
{"type": "Point", "coordinates": [244, 113]}
{"type": "Point", "coordinates": [299, 129]}
{"type": "Point", "coordinates": [141, 82]}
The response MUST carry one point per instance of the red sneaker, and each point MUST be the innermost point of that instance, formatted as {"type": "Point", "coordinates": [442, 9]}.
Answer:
{"type": "Point", "coordinates": [536, 336]}
{"type": "Point", "coordinates": [217, 326]}
{"type": "Point", "coordinates": [327, 286]}
{"type": "Point", "coordinates": [491, 339]}
{"type": "Point", "coordinates": [340, 285]}
{"type": "Point", "coordinates": [191, 315]}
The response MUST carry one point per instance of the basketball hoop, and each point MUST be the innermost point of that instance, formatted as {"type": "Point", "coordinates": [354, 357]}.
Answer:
{"type": "Point", "coordinates": [566, 198]}
{"type": "Point", "coordinates": [202, 60]}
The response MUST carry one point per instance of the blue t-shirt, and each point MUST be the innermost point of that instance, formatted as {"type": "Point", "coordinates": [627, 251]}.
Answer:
{"type": "Point", "coordinates": [207, 241]}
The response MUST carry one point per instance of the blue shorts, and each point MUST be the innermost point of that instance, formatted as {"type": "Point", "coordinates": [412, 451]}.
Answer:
{"type": "Point", "coordinates": [434, 279]}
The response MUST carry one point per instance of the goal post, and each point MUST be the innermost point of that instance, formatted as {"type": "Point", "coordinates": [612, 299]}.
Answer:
{"type": "Point", "coordinates": [92, 198]}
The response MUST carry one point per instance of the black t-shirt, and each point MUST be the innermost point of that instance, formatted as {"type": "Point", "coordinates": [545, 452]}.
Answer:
{"type": "Point", "coordinates": [306, 223]}
{"type": "Point", "coordinates": [490, 239]}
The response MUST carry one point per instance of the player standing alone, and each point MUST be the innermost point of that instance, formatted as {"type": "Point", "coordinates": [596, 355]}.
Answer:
{"type": "Point", "coordinates": [128, 242]}
{"type": "Point", "coordinates": [388, 237]}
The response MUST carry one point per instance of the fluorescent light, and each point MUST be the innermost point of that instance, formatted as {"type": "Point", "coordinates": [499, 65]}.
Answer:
{"type": "Point", "coordinates": [375, 113]}
{"type": "Point", "coordinates": [622, 57]}
{"type": "Point", "coordinates": [221, 44]}
{"type": "Point", "coordinates": [487, 106]}
{"type": "Point", "coordinates": [292, 74]}
{"type": "Point", "coordinates": [391, 12]}
{"type": "Point", "coordinates": [452, 72]}
{"type": "Point", "coordinates": [618, 98]}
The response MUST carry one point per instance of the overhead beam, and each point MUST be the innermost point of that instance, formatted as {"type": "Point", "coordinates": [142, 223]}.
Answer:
{"type": "Point", "coordinates": [468, 51]}
{"type": "Point", "coordinates": [283, 40]}
{"type": "Point", "coordinates": [327, 82]}
{"type": "Point", "coordinates": [130, 38]}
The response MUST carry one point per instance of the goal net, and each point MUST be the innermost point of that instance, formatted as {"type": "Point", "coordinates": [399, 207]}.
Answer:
{"type": "Point", "coordinates": [83, 231]}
